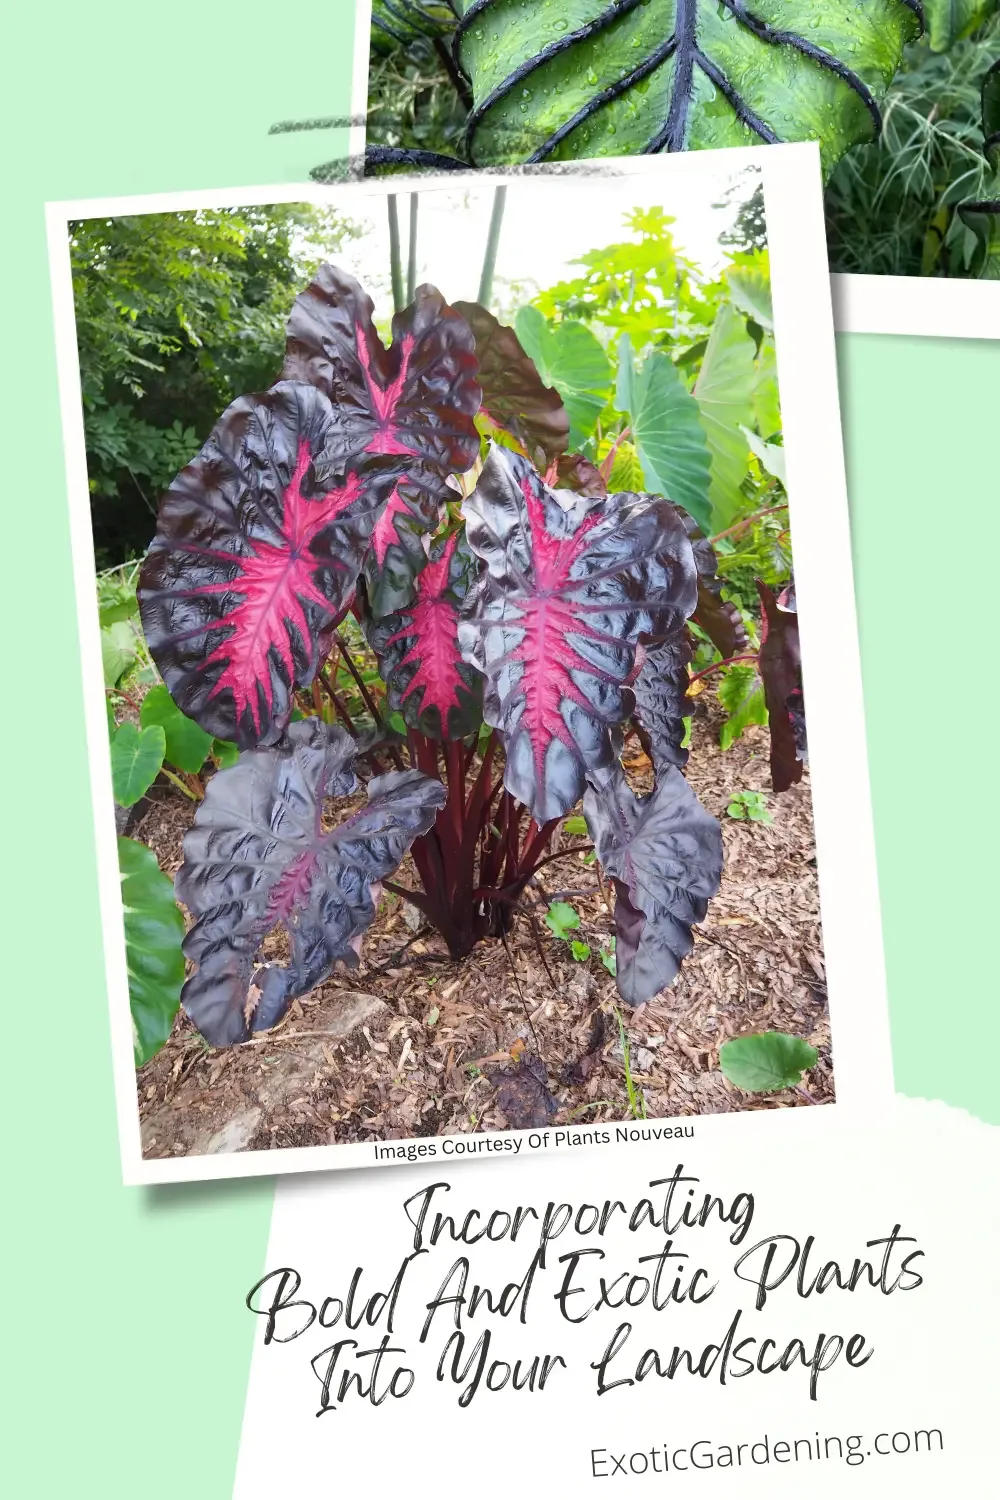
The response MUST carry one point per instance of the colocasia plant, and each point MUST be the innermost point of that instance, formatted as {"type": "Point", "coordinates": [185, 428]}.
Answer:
{"type": "Point", "coordinates": [524, 621]}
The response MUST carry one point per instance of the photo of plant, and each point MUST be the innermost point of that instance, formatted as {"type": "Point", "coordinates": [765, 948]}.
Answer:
{"type": "Point", "coordinates": [454, 694]}
{"type": "Point", "coordinates": [903, 96]}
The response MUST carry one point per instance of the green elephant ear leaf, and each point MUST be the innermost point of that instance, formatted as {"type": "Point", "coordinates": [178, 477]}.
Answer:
{"type": "Point", "coordinates": [571, 360]}
{"type": "Point", "coordinates": [948, 21]}
{"type": "Point", "coordinates": [750, 288]}
{"type": "Point", "coordinates": [586, 78]}
{"type": "Point", "coordinates": [154, 931]}
{"type": "Point", "coordinates": [667, 431]}
{"type": "Point", "coordinates": [725, 395]}
{"type": "Point", "coordinates": [187, 744]}
{"type": "Point", "coordinates": [136, 757]}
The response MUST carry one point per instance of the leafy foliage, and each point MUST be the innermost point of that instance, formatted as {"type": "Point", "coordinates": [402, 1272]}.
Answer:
{"type": "Point", "coordinates": [177, 314]}
{"type": "Point", "coordinates": [601, 81]}
{"type": "Point", "coordinates": [154, 930]}
{"type": "Point", "coordinates": [259, 855]}
{"type": "Point", "coordinates": [767, 1061]}
{"type": "Point", "coordinates": [892, 208]}
{"type": "Point", "coordinates": [355, 544]}
{"type": "Point", "coordinates": [664, 853]}
{"type": "Point", "coordinates": [554, 646]}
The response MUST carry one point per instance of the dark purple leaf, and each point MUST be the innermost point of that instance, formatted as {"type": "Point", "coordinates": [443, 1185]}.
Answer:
{"type": "Point", "coordinates": [661, 702]}
{"type": "Point", "coordinates": [258, 856]}
{"type": "Point", "coordinates": [664, 853]}
{"type": "Point", "coordinates": [416, 399]}
{"type": "Point", "coordinates": [258, 544]}
{"type": "Point", "coordinates": [417, 648]}
{"type": "Point", "coordinates": [514, 397]}
{"type": "Point", "coordinates": [570, 588]}
{"type": "Point", "coordinates": [780, 666]}
{"type": "Point", "coordinates": [523, 1095]}
{"type": "Point", "coordinates": [399, 541]}
{"type": "Point", "coordinates": [719, 618]}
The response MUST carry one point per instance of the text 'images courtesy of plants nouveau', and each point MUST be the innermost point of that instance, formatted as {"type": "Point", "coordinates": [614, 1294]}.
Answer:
{"type": "Point", "coordinates": [902, 95]}
{"type": "Point", "coordinates": [395, 570]}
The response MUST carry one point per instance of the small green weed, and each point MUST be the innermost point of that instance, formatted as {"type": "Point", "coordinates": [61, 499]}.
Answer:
{"type": "Point", "coordinates": [752, 805]}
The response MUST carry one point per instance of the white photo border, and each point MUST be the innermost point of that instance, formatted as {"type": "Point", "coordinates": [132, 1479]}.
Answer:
{"type": "Point", "coordinates": [807, 376]}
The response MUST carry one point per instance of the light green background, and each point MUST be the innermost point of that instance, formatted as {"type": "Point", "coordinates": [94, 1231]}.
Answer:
{"type": "Point", "coordinates": [124, 1331]}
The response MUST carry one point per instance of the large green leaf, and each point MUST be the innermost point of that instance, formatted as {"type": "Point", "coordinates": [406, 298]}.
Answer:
{"type": "Point", "coordinates": [666, 430]}
{"type": "Point", "coordinates": [766, 401]}
{"type": "Point", "coordinates": [771, 456]}
{"type": "Point", "coordinates": [741, 694]}
{"type": "Point", "coordinates": [154, 931]}
{"type": "Point", "coordinates": [584, 78]}
{"type": "Point", "coordinates": [136, 758]}
{"type": "Point", "coordinates": [766, 1061]}
{"type": "Point", "coordinates": [948, 21]}
{"type": "Point", "coordinates": [570, 359]}
{"type": "Point", "coordinates": [117, 651]}
{"type": "Point", "coordinates": [187, 744]}
{"type": "Point", "coordinates": [750, 287]}
{"type": "Point", "coordinates": [724, 392]}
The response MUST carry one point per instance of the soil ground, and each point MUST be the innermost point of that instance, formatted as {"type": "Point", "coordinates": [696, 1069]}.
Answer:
{"type": "Point", "coordinates": [415, 1044]}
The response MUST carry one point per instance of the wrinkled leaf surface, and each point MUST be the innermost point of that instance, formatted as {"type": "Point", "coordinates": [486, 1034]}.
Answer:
{"type": "Point", "coordinates": [257, 549]}
{"type": "Point", "coordinates": [259, 856]}
{"type": "Point", "coordinates": [664, 853]}
{"type": "Point", "coordinates": [415, 400]}
{"type": "Point", "coordinates": [418, 652]}
{"type": "Point", "coordinates": [571, 585]}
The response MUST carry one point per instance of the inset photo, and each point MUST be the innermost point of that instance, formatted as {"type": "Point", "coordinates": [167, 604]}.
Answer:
{"type": "Point", "coordinates": [902, 95]}
{"type": "Point", "coordinates": [453, 657]}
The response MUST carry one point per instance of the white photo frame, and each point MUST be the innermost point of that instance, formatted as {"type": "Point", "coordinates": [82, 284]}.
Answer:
{"type": "Point", "coordinates": [819, 520]}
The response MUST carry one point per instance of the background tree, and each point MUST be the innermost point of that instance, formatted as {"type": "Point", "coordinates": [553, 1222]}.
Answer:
{"type": "Point", "coordinates": [177, 314]}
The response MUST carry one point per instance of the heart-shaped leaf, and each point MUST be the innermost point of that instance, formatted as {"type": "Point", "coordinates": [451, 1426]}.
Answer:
{"type": "Point", "coordinates": [569, 358]}
{"type": "Point", "coordinates": [257, 549]}
{"type": "Point", "coordinates": [661, 703]}
{"type": "Point", "coordinates": [766, 1061]}
{"type": "Point", "coordinates": [724, 391]}
{"type": "Point", "coordinates": [514, 396]}
{"type": "Point", "coordinates": [415, 400]}
{"type": "Point", "coordinates": [571, 585]}
{"type": "Point", "coordinates": [117, 651]}
{"type": "Point", "coordinates": [418, 653]}
{"type": "Point", "coordinates": [187, 745]}
{"type": "Point", "coordinates": [259, 855]}
{"type": "Point", "coordinates": [780, 666]}
{"type": "Point", "coordinates": [154, 931]}
{"type": "Point", "coordinates": [399, 542]}
{"type": "Point", "coordinates": [741, 694]}
{"type": "Point", "coordinates": [587, 78]}
{"type": "Point", "coordinates": [136, 757]}
{"type": "Point", "coordinates": [664, 853]}
{"type": "Point", "coordinates": [666, 429]}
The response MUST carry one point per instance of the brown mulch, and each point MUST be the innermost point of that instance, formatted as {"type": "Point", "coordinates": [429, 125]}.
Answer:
{"type": "Point", "coordinates": [415, 1044]}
